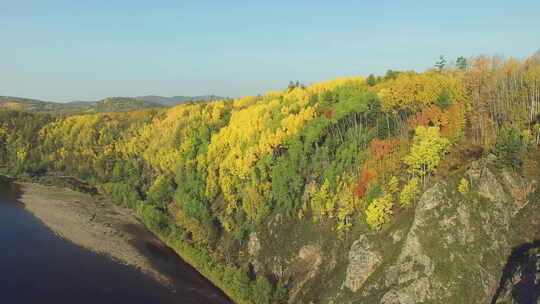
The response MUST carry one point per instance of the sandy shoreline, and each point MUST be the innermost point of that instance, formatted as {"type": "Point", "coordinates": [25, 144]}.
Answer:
{"type": "Point", "coordinates": [93, 222]}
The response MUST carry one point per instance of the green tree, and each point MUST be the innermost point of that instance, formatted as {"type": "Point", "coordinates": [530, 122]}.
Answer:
{"type": "Point", "coordinates": [373, 191]}
{"type": "Point", "coordinates": [261, 290]}
{"type": "Point", "coordinates": [291, 85]}
{"type": "Point", "coordinates": [371, 80]}
{"type": "Point", "coordinates": [281, 293]}
{"type": "Point", "coordinates": [390, 74]}
{"type": "Point", "coordinates": [443, 101]}
{"type": "Point", "coordinates": [461, 63]}
{"type": "Point", "coordinates": [239, 282]}
{"type": "Point", "coordinates": [287, 184]}
{"type": "Point", "coordinates": [161, 192]}
{"type": "Point", "coordinates": [510, 148]}
{"type": "Point", "coordinates": [440, 64]}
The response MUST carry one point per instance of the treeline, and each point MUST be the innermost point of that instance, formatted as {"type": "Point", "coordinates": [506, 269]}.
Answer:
{"type": "Point", "coordinates": [111, 104]}
{"type": "Point", "coordinates": [344, 153]}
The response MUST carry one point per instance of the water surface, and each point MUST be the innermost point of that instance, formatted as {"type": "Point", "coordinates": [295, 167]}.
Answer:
{"type": "Point", "coordinates": [37, 266]}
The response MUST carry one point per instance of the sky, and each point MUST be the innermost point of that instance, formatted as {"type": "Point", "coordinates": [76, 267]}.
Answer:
{"type": "Point", "coordinates": [89, 50]}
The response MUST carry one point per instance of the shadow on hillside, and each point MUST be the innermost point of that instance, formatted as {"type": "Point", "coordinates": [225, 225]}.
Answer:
{"type": "Point", "coordinates": [527, 290]}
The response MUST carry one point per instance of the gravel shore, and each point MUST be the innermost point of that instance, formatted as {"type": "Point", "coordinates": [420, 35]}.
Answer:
{"type": "Point", "coordinates": [93, 222]}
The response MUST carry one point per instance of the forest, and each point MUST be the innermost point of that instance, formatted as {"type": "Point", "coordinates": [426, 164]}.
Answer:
{"type": "Point", "coordinates": [349, 154]}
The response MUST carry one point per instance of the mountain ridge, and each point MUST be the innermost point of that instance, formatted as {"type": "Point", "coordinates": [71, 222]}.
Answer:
{"type": "Point", "coordinates": [109, 104]}
{"type": "Point", "coordinates": [174, 100]}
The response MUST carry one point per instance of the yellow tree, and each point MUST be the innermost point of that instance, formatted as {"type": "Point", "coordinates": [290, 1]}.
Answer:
{"type": "Point", "coordinates": [258, 125]}
{"type": "Point", "coordinates": [347, 203]}
{"type": "Point", "coordinates": [426, 151]}
{"type": "Point", "coordinates": [379, 212]}
{"type": "Point", "coordinates": [409, 192]}
{"type": "Point", "coordinates": [414, 91]}
{"type": "Point", "coordinates": [322, 203]}
{"type": "Point", "coordinates": [411, 90]}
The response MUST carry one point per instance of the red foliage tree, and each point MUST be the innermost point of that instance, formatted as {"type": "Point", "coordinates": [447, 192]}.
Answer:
{"type": "Point", "coordinates": [361, 187]}
{"type": "Point", "coordinates": [430, 116]}
{"type": "Point", "coordinates": [328, 113]}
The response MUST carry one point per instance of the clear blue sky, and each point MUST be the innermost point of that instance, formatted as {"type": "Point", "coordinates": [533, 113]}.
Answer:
{"type": "Point", "coordinates": [88, 50]}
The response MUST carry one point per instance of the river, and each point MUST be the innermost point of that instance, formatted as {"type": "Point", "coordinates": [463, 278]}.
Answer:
{"type": "Point", "coordinates": [37, 266]}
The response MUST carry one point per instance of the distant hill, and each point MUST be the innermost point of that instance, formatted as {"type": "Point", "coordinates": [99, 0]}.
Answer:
{"type": "Point", "coordinates": [175, 100]}
{"type": "Point", "coordinates": [121, 104]}
{"type": "Point", "coordinates": [30, 105]}
{"type": "Point", "coordinates": [112, 104]}
{"type": "Point", "coordinates": [79, 103]}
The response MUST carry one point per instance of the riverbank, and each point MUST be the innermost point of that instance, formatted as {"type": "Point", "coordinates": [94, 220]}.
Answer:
{"type": "Point", "coordinates": [95, 223]}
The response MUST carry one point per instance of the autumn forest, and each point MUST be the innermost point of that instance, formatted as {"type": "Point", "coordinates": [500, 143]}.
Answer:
{"type": "Point", "coordinates": [348, 155]}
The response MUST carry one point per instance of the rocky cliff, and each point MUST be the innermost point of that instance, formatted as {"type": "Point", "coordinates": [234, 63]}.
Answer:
{"type": "Point", "coordinates": [450, 247]}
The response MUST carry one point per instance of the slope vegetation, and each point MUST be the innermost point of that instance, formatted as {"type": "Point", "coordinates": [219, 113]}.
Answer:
{"type": "Point", "coordinates": [322, 193]}
{"type": "Point", "coordinates": [112, 104]}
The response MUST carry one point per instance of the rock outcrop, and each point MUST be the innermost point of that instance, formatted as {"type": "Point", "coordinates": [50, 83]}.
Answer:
{"type": "Point", "coordinates": [451, 248]}
{"type": "Point", "coordinates": [452, 239]}
{"type": "Point", "coordinates": [363, 261]}
{"type": "Point", "coordinates": [307, 267]}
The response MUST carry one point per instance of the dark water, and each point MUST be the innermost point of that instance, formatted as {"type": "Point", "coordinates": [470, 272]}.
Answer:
{"type": "Point", "coordinates": [527, 290]}
{"type": "Point", "coordinates": [36, 266]}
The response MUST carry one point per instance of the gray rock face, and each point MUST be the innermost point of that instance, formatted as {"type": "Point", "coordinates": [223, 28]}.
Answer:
{"type": "Point", "coordinates": [455, 248]}
{"type": "Point", "coordinates": [363, 261]}
{"type": "Point", "coordinates": [307, 263]}
{"type": "Point", "coordinates": [253, 248]}
{"type": "Point", "coordinates": [311, 255]}
{"type": "Point", "coordinates": [253, 244]}
{"type": "Point", "coordinates": [414, 285]}
{"type": "Point", "coordinates": [451, 248]}
{"type": "Point", "coordinates": [488, 185]}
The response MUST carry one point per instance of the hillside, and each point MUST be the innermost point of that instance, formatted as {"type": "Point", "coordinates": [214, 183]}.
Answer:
{"type": "Point", "coordinates": [176, 100]}
{"type": "Point", "coordinates": [30, 105]}
{"type": "Point", "coordinates": [112, 104]}
{"type": "Point", "coordinates": [401, 188]}
{"type": "Point", "coordinates": [119, 104]}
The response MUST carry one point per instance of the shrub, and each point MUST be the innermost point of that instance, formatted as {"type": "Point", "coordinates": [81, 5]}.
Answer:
{"type": "Point", "coordinates": [261, 290]}
{"type": "Point", "coordinates": [463, 187]}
